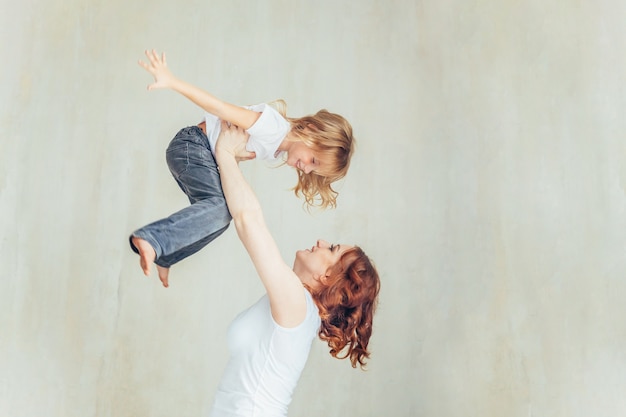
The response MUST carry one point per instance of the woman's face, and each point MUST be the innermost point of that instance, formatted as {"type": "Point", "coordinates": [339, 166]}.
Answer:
{"type": "Point", "coordinates": [311, 264]}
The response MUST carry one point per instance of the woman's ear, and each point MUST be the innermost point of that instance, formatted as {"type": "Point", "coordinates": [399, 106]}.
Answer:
{"type": "Point", "coordinates": [320, 278]}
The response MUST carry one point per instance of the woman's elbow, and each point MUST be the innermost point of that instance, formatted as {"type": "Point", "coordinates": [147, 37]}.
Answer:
{"type": "Point", "coordinates": [248, 219]}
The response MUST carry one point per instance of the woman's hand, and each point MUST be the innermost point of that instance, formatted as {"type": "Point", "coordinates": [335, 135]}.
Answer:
{"type": "Point", "coordinates": [157, 66]}
{"type": "Point", "coordinates": [232, 140]}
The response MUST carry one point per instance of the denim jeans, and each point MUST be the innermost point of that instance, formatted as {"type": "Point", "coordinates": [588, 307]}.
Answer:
{"type": "Point", "coordinates": [187, 231]}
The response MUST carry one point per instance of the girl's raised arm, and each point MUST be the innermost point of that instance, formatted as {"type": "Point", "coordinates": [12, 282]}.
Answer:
{"type": "Point", "coordinates": [163, 78]}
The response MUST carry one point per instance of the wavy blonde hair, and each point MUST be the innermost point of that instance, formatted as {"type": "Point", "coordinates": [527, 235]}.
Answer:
{"type": "Point", "coordinates": [347, 301]}
{"type": "Point", "coordinates": [330, 137]}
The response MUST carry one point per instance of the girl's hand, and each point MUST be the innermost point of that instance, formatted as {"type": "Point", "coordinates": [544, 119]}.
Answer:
{"type": "Point", "coordinates": [232, 140]}
{"type": "Point", "coordinates": [157, 66]}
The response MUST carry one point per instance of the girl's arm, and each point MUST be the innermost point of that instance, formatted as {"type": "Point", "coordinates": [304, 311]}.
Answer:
{"type": "Point", "coordinates": [285, 291]}
{"type": "Point", "coordinates": [163, 78]}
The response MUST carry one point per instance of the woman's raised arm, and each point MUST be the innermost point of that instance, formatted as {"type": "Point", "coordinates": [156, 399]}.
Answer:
{"type": "Point", "coordinates": [283, 287]}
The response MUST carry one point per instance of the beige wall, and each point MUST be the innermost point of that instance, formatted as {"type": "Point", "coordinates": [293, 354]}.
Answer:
{"type": "Point", "coordinates": [488, 186]}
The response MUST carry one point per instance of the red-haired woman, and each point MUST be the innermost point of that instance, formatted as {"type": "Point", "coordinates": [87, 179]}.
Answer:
{"type": "Point", "coordinates": [331, 292]}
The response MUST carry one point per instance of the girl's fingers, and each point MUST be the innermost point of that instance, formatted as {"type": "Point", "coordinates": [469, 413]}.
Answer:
{"type": "Point", "coordinates": [154, 59]}
{"type": "Point", "coordinates": [152, 56]}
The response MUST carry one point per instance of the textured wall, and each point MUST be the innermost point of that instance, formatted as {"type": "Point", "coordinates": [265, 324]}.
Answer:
{"type": "Point", "coordinates": [488, 186]}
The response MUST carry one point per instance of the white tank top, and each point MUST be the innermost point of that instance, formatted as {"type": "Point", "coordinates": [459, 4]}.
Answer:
{"type": "Point", "coordinates": [265, 363]}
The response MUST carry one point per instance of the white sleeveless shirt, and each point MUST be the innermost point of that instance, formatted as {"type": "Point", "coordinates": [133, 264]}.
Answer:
{"type": "Point", "coordinates": [265, 363]}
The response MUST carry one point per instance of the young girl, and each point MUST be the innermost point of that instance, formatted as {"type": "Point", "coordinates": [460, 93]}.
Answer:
{"type": "Point", "coordinates": [319, 146]}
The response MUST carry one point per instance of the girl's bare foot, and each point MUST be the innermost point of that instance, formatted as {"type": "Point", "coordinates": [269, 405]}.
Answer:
{"type": "Point", "coordinates": [147, 255]}
{"type": "Point", "coordinates": [163, 274]}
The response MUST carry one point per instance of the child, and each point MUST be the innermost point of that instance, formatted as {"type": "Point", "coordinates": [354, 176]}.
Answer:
{"type": "Point", "coordinates": [318, 146]}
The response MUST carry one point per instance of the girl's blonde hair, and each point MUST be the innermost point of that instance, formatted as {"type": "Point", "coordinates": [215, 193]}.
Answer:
{"type": "Point", "coordinates": [329, 135]}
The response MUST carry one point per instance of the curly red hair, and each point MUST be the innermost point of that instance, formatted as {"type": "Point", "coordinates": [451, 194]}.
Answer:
{"type": "Point", "coordinates": [347, 301]}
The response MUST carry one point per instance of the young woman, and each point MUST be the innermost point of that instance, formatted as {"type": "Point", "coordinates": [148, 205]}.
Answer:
{"type": "Point", "coordinates": [319, 146]}
{"type": "Point", "coordinates": [331, 291]}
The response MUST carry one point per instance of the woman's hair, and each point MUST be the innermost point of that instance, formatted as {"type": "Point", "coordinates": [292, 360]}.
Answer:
{"type": "Point", "coordinates": [347, 301]}
{"type": "Point", "coordinates": [329, 135]}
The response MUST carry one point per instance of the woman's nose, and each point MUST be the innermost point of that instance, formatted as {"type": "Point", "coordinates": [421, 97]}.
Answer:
{"type": "Point", "coordinates": [321, 243]}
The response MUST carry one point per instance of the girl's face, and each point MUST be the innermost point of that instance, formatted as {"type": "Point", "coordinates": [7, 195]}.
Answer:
{"type": "Point", "coordinates": [302, 157]}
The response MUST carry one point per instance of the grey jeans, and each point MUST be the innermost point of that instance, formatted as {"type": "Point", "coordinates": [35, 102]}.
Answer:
{"type": "Point", "coordinates": [187, 231]}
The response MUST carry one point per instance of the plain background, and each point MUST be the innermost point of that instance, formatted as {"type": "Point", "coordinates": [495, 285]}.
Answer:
{"type": "Point", "coordinates": [488, 186]}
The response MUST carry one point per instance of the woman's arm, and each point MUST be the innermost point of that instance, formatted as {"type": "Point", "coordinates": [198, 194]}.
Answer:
{"type": "Point", "coordinates": [283, 287]}
{"type": "Point", "coordinates": [163, 78]}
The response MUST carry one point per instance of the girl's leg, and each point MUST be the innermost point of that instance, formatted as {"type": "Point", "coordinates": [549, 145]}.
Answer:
{"type": "Point", "coordinates": [187, 231]}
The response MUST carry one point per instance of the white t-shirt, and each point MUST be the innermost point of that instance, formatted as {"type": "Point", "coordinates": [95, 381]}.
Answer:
{"type": "Point", "coordinates": [266, 134]}
{"type": "Point", "coordinates": [265, 363]}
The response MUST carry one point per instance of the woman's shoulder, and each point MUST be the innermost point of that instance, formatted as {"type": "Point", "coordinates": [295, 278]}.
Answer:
{"type": "Point", "coordinates": [311, 318]}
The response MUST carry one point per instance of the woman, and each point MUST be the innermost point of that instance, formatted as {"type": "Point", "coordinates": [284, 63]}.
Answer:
{"type": "Point", "coordinates": [331, 292]}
